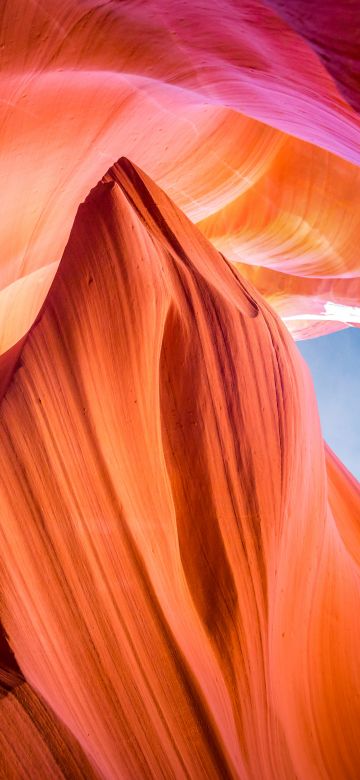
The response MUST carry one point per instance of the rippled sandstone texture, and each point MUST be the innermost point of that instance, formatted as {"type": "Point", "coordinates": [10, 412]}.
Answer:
{"type": "Point", "coordinates": [179, 557]}
{"type": "Point", "coordinates": [244, 112]}
{"type": "Point", "coordinates": [179, 552]}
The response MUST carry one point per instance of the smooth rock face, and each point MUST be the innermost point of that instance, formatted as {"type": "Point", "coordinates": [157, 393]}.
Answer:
{"type": "Point", "coordinates": [179, 557]}
{"type": "Point", "coordinates": [244, 112]}
{"type": "Point", "coordinates": [332, 29]}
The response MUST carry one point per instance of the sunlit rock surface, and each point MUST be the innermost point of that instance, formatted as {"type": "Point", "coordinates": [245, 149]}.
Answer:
{"type": "Point", "coordinates": [179, 555]}
{"type": "Point", "coordinates": [244, 112]}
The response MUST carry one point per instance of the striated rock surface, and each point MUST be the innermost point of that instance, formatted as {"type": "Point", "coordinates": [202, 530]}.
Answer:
{"type": "Point", "coordinates": [244, 112]}
{"type": "Point", "coordinates": [34, 743]}
{"type": "Point", "coordinates": [179, 557]}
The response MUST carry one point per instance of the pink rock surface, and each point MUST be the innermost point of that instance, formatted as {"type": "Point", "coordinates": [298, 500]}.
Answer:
{"type": "Point", "coordinates": [179, 549]}
{"type": "Point", "coordinates": [225, 105]}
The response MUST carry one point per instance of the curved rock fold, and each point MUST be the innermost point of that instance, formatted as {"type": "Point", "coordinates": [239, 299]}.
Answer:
{"type": "Point", "coordinates": [179, 575]}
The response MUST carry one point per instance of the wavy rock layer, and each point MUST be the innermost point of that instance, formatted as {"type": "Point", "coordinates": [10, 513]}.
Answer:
{"type": "Point", "coordinates": [178, 586]}
{"type": "Point", "coordinates": [228, 106]}
{"type": "Point", "coordinates": [329, 27]}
